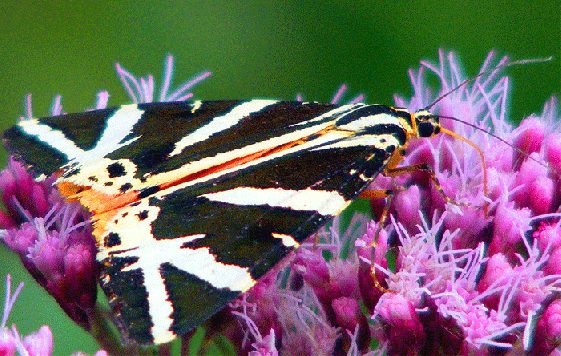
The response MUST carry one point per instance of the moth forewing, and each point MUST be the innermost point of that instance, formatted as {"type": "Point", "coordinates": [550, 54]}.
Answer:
{"type": "Point", "coordinates": [193, 202]}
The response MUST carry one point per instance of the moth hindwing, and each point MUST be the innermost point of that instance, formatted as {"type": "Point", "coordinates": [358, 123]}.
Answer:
{"type": "Point", "coordinates": [193, 202]}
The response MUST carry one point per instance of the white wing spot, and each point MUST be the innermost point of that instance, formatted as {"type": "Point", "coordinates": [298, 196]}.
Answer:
{"type": "Point", "coordinates": [287, 240]}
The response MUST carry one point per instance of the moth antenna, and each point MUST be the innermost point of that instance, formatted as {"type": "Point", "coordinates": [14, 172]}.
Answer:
{"type": "Point", "coordinates": [498, 66]}
{"type": "Point", "coordinates": [451, 133]}
{"type": "Point", "coordinates": [455, 135]}
{"type": "Point", "coordinates": [496, 137]}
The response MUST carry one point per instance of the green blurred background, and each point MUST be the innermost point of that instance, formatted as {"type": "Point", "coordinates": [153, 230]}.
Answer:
{"type": "Point", "coordinates": [254, 49]}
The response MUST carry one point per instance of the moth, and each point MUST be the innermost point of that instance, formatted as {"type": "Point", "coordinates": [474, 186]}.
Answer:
{"type": "Point", "coordinates": [193, 202]}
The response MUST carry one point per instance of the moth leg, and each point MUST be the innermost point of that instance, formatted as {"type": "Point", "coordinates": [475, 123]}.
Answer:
{"type": "Point", "coordinates": [394, 172]}
{"type": "Point", "coordinates": [389, 194]}
{"type": "Point", "coordinates": [379, 194]}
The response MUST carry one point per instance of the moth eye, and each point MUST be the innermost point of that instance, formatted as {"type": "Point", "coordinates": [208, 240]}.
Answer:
{"type": "Point", "coordinates": [426, 129]}
{"type": "Point", "coordinates": [390, 149]}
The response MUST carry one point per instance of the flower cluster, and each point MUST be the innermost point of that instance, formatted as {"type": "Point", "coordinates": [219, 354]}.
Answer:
{"type": "Point", "coordinates": [468, 262]}
{"type": "Point", "coordinates": [486, 276]}
{"type": "Point", "coordinates": [52, 238]}
{"type": "Point", "coordinates": [39, 343]}
{"type": "Point", "coordinates": [457, 270]}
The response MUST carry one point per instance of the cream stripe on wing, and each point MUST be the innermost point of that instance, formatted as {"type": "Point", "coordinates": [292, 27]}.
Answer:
{"type": "Point", "coordinates": [381, 141]}
{"type": "Point", "coordinates": [221, 123]}
{"type": "Point", "coordinates": [247, 151]}
{"type": "Point", "coordinates": [229, 156]}
{"type": "Point", "coordinates": [199, 262]}
{"type": "Point", "coordinates": [324, 202]}
{"type": "Point", "coordinates": [117, 127]}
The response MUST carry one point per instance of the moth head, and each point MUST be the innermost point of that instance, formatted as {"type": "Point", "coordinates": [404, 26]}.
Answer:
{"type": "Point", "coordinates": [426, 124]}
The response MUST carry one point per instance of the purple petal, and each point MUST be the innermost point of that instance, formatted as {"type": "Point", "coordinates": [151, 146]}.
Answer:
{"type": "Point", "coordinates": [39, 343]}
{"type": "Point", "coordinates": [7, 343]}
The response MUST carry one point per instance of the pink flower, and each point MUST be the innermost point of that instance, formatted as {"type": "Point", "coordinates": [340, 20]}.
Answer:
{"type": "Point", "coordinates": [439, 269]}
{"type": "Point", "coordinates": [548, 330]}
{"type": "Point", "coordinates": [23, 197]}
{"type": "Point", "coordinates": [59, 252]}
{"type": "Point", "coordinates": [141, 90]}
{"type": "Point", "coordinates": [529, 136]}
{"type": "Point", "coordinates": [400, 323]}
{"type": "Point", "coordinates": [347, 312]}
{"type": "Point", "coordinates": [468, 273]}
{"type": "Point", "coordinates": [39, 343]}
